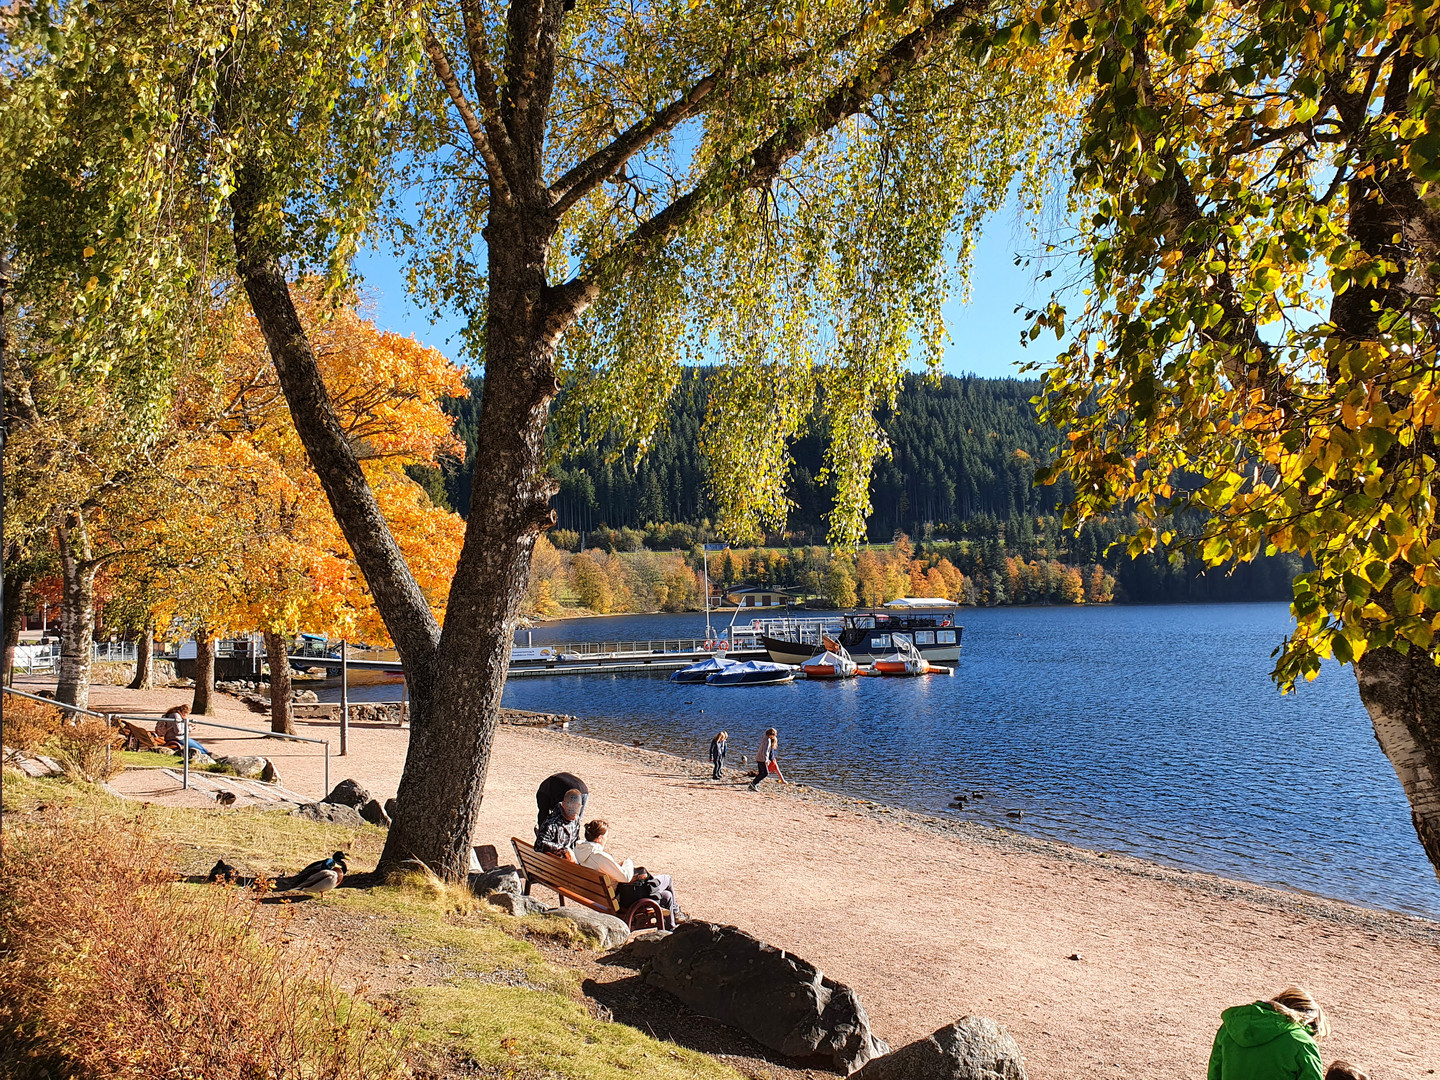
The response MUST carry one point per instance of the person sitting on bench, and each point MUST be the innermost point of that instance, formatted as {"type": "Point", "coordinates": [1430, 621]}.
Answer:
{"type": "Point", "coordinates": [635, 882]}
{"type": "Point", "coordinates": [169, 727]}
{"type": "Point", "coordinates": [553, 788]}
{"type": "Point", "coordinates": [558, 832]}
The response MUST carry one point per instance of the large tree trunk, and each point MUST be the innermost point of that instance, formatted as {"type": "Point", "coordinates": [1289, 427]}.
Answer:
{"type": "Point", "coordinates": [77, 611]}
{"type": "Point", "coordinates": [445, 769]}
{"type": "Point", "coordinates": [1402, 695]}
{"type": "Point", "coordinates": [17, 598]}
{"type": "Point", "coordinates": [204, 703]}
{"type": "Point", "coordinates": [282, 712]}
{"type": "Point", "coordinates": [144, 660]}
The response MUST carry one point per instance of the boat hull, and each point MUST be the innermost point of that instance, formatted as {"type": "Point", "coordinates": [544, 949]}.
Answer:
{"type": "Point", "coordinates": [750, 678]}
{"type": "Point", "coordinates": [797, 652]}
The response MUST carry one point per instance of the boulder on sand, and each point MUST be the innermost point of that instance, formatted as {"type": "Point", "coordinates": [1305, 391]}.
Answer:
{"type": "Point", "coordinates": [777, 999]}
{"type": "Point", "coordinates": [972, 1048]}
{"type": "Point", "coordinates": [348, 793]}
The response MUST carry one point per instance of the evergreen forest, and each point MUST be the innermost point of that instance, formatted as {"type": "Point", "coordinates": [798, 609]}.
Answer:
{"type": "Point", "coordinates": [959, 481]}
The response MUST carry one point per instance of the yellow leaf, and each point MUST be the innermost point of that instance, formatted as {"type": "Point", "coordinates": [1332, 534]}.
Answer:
{"type": "Point", "coordinates": [89, 251]}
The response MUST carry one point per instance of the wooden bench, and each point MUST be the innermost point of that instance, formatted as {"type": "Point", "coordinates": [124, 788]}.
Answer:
{"type": "Point", "coordinates": [143, 738]}
{"type": "Point", "coordinates": [585, 886]}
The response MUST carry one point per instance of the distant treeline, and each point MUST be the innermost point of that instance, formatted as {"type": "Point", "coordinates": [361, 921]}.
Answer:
{"type": "Point", "coordinates": [959, 482]}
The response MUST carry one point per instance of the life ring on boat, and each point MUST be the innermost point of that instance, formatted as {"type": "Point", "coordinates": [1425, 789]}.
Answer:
{"type": "Point", "coordinates": [722, 645]}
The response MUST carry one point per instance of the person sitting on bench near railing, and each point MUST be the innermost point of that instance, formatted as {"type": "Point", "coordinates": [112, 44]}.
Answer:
{"type": "Point", "coordinates": [169, 727]}
{"type": "Point", "coordinates": [634, 882]}
{"type": "Point", "coordinates": [559, 830]}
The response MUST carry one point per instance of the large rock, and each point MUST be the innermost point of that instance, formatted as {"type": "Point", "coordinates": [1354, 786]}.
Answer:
{"type": "Point", "coordinates": [390, 807]}
{"type": "Point", "coordinates": [374, 813]}
{"type": "Point", "coordinates": [972, 1048]}
{"type": "Point", "coordinates": [779, 1000]}
{"type": "Point", "coordinates": [516, 903]}
{"type": "Point", "coordinates": [610, 930]}
{"type": "Point", "coordinates": [643, 944]}
{"type": "Point", "coordinates": [348, 793]}
{"type": "Point", "coordinates": [502, 879]}
{"type": "Point", "coordinates": [305, 697]}
{"type": "Point", "coordinates": [270, 774]}
{"type": "Point", "coordinates": [244, 765]}
{"type": "Point", "coordinates": [332, 814]}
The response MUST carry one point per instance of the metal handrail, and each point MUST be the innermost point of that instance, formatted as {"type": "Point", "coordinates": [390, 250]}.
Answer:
{"type": "Point", "coordinates": [57, 704]}
{"type": "Point", "coordinates": [185, 781]}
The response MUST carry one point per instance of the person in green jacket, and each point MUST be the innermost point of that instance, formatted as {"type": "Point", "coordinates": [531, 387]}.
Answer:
{"type": "Point", "coordinates": [1271, 1040]}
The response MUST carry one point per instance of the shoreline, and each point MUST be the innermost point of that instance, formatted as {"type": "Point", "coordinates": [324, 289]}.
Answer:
{"type": "Point", "coordinates": [1315, 904]}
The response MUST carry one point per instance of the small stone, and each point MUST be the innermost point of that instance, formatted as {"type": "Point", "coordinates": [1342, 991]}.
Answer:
{"type": "Point", "coordinates": [501, 879]}
{"type": "Point", "coordinates": [516, 904]}
{"type": "Point", "coordinates": [1075, 956]}
{"type": "Point", "coordinates": [270, 774]}
{"type": "Point", "coordinates": [332, 814]}
{"type": "Point", "coordinates": [245, 765]}
{"type": "Point", "coordinates": [390, 805]}
{"type": "Point", "coordinates": [607, 928]}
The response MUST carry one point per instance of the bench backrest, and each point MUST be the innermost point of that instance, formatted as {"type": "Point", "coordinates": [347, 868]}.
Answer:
{"type": "Point", "coordinates": [579, 883]}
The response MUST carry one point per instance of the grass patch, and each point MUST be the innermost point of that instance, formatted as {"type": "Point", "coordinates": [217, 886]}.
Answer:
{"type": "Point", "coordinates": [108, 967]}
{"type": "Point", "coordinates": [508, 1010]}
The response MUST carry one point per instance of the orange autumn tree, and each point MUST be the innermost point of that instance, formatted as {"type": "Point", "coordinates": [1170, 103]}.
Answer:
{"type": "Point", "coordinates": [286, 567]}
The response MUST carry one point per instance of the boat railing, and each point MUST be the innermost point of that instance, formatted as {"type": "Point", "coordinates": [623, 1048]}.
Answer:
{"type": "Point", "coordinates": [653, 647]}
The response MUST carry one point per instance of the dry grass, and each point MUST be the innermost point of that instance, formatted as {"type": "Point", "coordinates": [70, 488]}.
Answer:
{"type": "Point", "coordinates": [28, 724]}
{"type": "Point", "coordinates": [88, 750]}
{"type": "Point", "coordinates": [109, 968]}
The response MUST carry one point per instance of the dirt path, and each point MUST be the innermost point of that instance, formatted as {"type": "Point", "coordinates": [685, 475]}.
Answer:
{"type": "Point", "coordinates": [931, 921]}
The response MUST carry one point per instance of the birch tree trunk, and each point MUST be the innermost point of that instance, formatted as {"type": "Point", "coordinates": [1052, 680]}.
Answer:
{"type": "Point", "coordinates": [204, 703]}
{"type": "Point", "coordinates": [144, 660]}
{"type": "Point", "coordinates": [77, 611]}
{"type": "Point", "coordinates": [1402, 695]}
{"type": "Point", "coordinates": [282, 714]}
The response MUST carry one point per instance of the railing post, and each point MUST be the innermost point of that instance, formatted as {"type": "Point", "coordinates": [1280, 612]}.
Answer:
{"type": "Point", "coordinates": [185, 749]}
{"type": "Point", "coordinates": [344, 702]}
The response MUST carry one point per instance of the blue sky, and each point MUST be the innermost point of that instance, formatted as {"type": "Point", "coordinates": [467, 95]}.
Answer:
{"type": "Point", "coordinates": [984, 333]}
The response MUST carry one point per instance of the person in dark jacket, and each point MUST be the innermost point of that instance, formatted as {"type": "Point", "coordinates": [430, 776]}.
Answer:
{"type": "Point", "coordinates": [559, 831]}
{"type": "Point", "coordinates": [717, 752]}
{"type": "Point", "coordinates": [1271, 1040]}
{"type": "Point", "coordinates": [553, 788]}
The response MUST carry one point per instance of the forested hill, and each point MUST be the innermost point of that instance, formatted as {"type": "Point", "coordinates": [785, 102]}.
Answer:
{"type": "Point", "coordinates": [962, 447]}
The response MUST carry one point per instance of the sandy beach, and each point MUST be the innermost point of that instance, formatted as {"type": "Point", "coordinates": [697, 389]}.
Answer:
{"type": "Point", "coordinates": [933, 920]}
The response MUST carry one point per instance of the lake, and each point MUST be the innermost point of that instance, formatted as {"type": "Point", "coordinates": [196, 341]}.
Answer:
{"type": "Point", "coordinates": [1153, 731]}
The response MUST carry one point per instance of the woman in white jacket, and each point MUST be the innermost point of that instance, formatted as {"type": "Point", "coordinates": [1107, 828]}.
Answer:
{"type": "Point", "coordinates": [591, 853]}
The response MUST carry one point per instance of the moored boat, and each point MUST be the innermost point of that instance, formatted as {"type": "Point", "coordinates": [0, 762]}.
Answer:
{"type": "Point", "coordinates": [699, 673]}
{"type": "Point", "coordinates": [752, 673]}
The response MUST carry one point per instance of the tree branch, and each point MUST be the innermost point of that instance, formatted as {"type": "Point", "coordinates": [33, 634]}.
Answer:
{"type": "Point", "coordinates": [484, 77]}
{"type": "Point", "coordinates": [566, 302]}
{"type": "Point", "coordinates": [499, 175]}
{"type": "Point", "coordinates": [583, 178]}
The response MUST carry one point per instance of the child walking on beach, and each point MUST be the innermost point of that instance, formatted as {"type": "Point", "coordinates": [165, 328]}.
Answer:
{"type": "Point", "coordinates": [717, 752]}
{"type": "Point", "coordinates": [765, 762]}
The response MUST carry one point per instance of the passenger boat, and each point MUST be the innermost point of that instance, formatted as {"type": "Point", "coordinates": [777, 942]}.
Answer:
{"type": "Point", "coordinates": [752, 673]}
{"type": "Point", "coordinates": [833, 663]}
{"type": "Point", "coordinates": [699, 673]}
{"type": "Point", "coordinates": [927, 624]}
